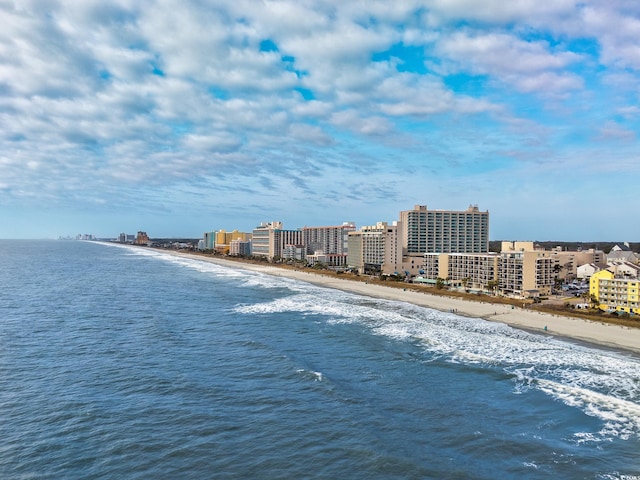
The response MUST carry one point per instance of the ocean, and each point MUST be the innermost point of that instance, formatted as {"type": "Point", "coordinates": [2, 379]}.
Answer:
{"type": "Point", "coordinates": [123, 362]}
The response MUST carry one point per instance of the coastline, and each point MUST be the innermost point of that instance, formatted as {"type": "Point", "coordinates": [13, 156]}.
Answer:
{"type": "Point", "coordinates": [612, 337]}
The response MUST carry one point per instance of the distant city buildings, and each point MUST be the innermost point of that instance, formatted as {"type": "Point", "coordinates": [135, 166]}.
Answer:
{"type": "Point", "coordinates": [125, 238]}
{"type": "Point", "coordinates": [327, 245]}
{"type": "Point", "coordinates": [85, 236]}
{"type": "Point", "coordinates": [142, 239]}
{"type": "Point", "coordinates": [439, 247]}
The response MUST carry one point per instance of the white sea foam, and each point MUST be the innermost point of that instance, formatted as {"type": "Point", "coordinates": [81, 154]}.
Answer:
{"type": "Point", "coordinates": [602, 384]}
{"type": "Point", "coordinates": [315, 376]}
{"type": "Point", "coordinates": [621, 417]}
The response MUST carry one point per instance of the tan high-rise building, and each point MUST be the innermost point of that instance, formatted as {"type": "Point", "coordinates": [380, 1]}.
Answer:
{"type": "Point", "coordinates": [524, 270]}
{"type": "Point", "coordinates": [367, 247]}
{"type": "Point", "coordinates": [142, 238]}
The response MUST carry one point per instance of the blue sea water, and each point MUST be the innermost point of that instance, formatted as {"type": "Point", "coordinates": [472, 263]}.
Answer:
{"type": "Point", "coordinates": [122, 362]}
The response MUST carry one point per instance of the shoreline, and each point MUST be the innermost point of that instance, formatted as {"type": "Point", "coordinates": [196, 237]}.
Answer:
{"type": "Point", "coordinates": [612, 337]}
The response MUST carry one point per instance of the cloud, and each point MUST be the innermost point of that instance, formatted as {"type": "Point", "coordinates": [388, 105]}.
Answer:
{"type": "Point", "coordinates": [122, 102]}
{"type": "Point", "coordinates": [499, 12]}
{"type": "Point", "coordinates": [351, 120]}
{"type": "Point", "coordinates": [526, 65]}
{"type": "Point", "coordinates": [617, 32]}
{"type": "Point", "coordinates": [613, 131]}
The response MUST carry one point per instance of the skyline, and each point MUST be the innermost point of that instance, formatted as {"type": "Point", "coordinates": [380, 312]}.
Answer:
{"type": "Point", "coordinates": [180, 117]}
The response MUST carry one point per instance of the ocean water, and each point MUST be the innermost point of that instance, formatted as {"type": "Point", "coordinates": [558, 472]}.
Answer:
{"type": "Point", "coordinates": [119, 362]}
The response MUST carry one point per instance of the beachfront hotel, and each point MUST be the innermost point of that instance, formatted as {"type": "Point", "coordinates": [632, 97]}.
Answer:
{"type": "Point", "coordinates": [617, 288]}
{"type": "Point", "coordinates": [327, 245]}
{"type": "Point", "coordinates": [142, 239]}
{"type": "Point", "coordinates": [525, 271]}
{"type": "Point", "coordinates": [422, 231]}
{"type": "Point", "coordinates": [239, 247]}
{"type": "Point", "coordinates": [269, 240]}
{"type": "Point", "coordinates": [367, 247]}
{"type": "Point", "coordinates": [444, 231]}
{"type": "Point", "coordinates": [474, 272]}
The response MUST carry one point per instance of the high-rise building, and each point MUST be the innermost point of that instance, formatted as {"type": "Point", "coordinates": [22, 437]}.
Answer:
{"type": "Point", "coordinates": [222, 237]}
{"type": "Point", "coordinates": [330, 242]}
{"type": "Point", "coordinates": [142, 238]}
{"type": "Point", "coordinates": [525, 271]}
{"type": "Point", "coordinates": [367, 246]}
{"type": "Point", "coordinates": [269, 239]}
{"type": "Point", "coordinates": [444, 231]}
{"type": "Point", "coordinates": [333, 239]}
{"type": "Point", "coordinates": [422, 231]}
{"type": "Point", "coordinates": [208, 240]}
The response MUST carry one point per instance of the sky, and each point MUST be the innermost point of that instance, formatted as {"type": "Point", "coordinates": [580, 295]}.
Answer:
{"type": "Point", "coordinates": [177, 117]}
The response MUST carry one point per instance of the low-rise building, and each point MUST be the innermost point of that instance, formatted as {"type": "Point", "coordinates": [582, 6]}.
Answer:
{"type": "Point", "coordinates": [332, 260]}
{"type": "Point", "coordinates": [622, 253]}
{"type": "Point", "coordinates": [567, 262]}
{"type": "Point", "coordinates": [239, 247]}
{"type": "Point", "coordinates": [472, 271]}
{"type": "Point", "coordinates": [587, 270]}
{"type": "Point", "coordinates": [615, 291]}
{"type": "Point", "coordinates": [294, 252]}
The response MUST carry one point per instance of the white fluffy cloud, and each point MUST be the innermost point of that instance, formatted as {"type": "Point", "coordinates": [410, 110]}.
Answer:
{"type": "Point", "coordinates": [100, 100]}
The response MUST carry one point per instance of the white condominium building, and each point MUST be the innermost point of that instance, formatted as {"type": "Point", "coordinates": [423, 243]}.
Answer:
{"type": "Point", "coordinates": [269, 239]}
{"type": "Point", "coordinates": [444, 231]}
{"type": "Point", "coordinates": [367, 246]}
{"type": "Point", "coordinates": [328, 240]}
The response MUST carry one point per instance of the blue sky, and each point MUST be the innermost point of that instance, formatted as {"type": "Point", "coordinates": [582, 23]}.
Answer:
{"type": "Point", "coordinates": [180, 117]}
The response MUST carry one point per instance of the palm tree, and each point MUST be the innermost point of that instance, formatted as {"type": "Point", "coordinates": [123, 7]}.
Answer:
{"type": "Point", "coordinates": [492, 286]}
{"type": "Point", "coordinates": [593, 300]}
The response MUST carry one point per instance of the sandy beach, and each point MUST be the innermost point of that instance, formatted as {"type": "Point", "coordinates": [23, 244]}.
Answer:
{"type": "Point", "coordinates": [611, 336]}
